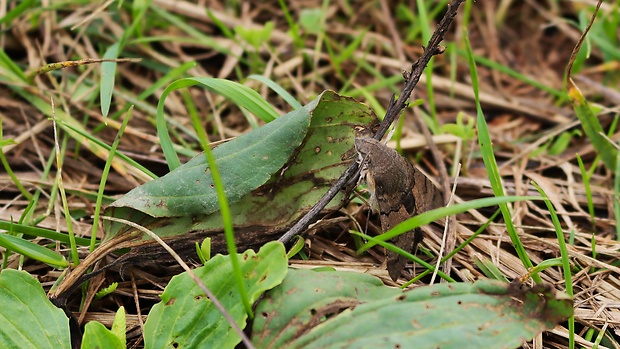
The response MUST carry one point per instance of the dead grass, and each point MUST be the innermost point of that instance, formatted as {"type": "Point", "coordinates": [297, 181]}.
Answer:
{"type": "Point", "coordinates": [530, 37]}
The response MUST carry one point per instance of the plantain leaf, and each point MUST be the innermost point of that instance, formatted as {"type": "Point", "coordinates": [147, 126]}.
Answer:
{"type": "Point", "coordinates": [97, 336]}
{"type": "Point", "coordinates": [324, 154]}
{"type": "Point", "coordinates": [27, 318]}
{"type": "Point", "coordinates": [245, 163]}
{"type": "Point", "coordinates": [186, 318]}
{"type": "Point", "coordinates": [297, 302]}
{"type": "Point", "coordinates": [307, 312]}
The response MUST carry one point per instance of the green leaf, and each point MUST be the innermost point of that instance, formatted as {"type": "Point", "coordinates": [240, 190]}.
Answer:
{"type": "Point", "coordinates": [10, 71]}
{"type": "Point", "coordinates": [325, 153]}
{"type": "Point", "coordinates": [119, 326]}
{"type": "Point", "coordinates": [490, 162]}
{"type": "Point", "coordinates": [17, 228]}
{"type": "Point", "coordinates": [27, 318]}
{"type": "Point", "coordinates": [292, 306]}
{"type": "Point", "coordinates": [486, 314]}
{"type": "Point", "coordinates": [97, 336]}
{"type": "Point", "coordinates": [185, 318]}
{"type": "Point", "coordinates": [245, 163]}
{"type": "Point", "coordinates": [106, 290]}
{"type": "Point", "coordinates": [32, 250]}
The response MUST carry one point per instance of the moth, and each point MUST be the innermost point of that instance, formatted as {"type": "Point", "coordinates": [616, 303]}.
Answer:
{"type": "Point", "coordinates": [399, 191]}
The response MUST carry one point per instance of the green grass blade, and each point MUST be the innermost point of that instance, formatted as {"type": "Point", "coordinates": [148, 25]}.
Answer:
{"type": "Point", "coordinates": [98, 142]}
{"type": "Point", "coordinates": [104, 177]}
{"type": "Point", "coordinates": [486, 147]}
{"type": "Point", "coordinates": [617, 195]}
{"type": "Point", "coordinates": [108, 74]}
{"type": "Point", "coordinates": [16, 11]}
{"type": "Point", "coordinates": [277, 89]}
{"type": "Point", "coordinates": [586, 184]}
{"type": "Point", "coordinates": [225, 212]}
{"type": "Point", "coordinates": [175, 73]}
{"type": "Point", "coordinates": [479, 231]}
{"type": "Point", "coordinates": [10, 67]}
{"type": "Point", "coordinates": [566, 268]}
{"type": "Point", "coordinates": [404, 253]}
{"type": "Point", "coordinates": [192, 32]}
{"type": "Point", "coordinates": [108, 69]}
{"type": "Point", "coordinates": [489, 269]}
{"type": "Point", "coordinates": [32, 250]}
{"type": "Point", "coordinates": [7, 166]}
{"type": "Point", "coordinates": [517, 75]}
{"type": "Point", "coordinates": [241, 95]}
{"type": "Point", "coordinates": [442, 212]}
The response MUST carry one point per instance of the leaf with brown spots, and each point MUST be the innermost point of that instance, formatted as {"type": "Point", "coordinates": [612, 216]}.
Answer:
{"type": "Point", "coordinates": [361, 314]}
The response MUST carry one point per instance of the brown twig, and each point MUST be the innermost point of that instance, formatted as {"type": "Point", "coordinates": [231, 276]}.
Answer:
{"type": "Point", "coordinates": [394, 109]}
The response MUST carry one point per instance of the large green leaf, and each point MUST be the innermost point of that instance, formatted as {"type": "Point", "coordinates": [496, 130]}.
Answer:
{"type": "Point", "coordinates": [97, 336]}
{"type": "Point", "coordinates": [185, 318]}
{"type": "Point", "coordinates": [293, 306]}
{"type": "Point", "coordinates": [27, 318]}
{"type": "Point", "coordinates": [486, 314]}
{"type": "Point", "coordinates": [324, 154]}
{"type": "Point", "coordinates": [245, 163]}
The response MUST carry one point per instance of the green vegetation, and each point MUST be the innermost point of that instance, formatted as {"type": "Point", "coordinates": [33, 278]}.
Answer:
{"type": "Point", "coordinates": [142, 136]}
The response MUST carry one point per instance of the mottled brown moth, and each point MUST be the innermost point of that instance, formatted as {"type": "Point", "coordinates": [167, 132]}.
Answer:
{"type": "Point", "coordinates": [398, 191]}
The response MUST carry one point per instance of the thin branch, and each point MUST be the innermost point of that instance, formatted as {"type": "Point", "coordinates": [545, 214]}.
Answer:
{"type": "Point", "coordinates": [395, 108]}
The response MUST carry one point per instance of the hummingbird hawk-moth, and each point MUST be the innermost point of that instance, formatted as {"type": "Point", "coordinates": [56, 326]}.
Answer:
{"type": "Point", "coordinates": [399, 191]}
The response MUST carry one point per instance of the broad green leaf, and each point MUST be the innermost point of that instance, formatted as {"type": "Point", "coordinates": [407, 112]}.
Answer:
{"type": "Point", "coordinates": [185, 318]}
{"type": "Point", "coordinates": [32, 250]}
{"type": "Point", "coordinates": [486, 314]}
{"type": "Point", "coordinates": [27, 318]}
{"type": "Point", "coordinates": [325, 153]}
{"type": "Point", "coordinates": [97, 336]}
{"type": "Point", "coordinates": [292, 306]}
{"type": "Point", "coordinates": [245, 163]}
